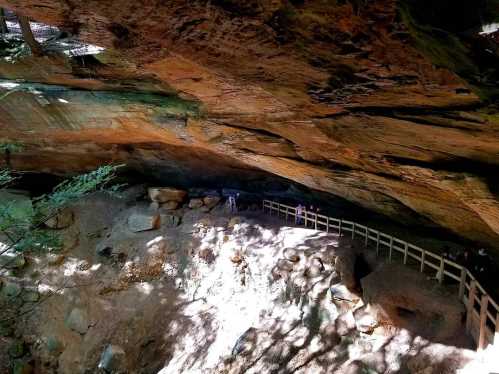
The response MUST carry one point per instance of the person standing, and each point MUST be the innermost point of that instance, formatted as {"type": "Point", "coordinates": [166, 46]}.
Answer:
{"type": "Point", "coordinates": [299, 212]}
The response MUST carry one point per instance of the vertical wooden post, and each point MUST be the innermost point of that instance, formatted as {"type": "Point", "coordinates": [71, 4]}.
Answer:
{"type": "Point", "coordinates": [470, 306]}
{"type": "Point", "coordinates": [462, 284]}
{"type": "Point", "coordinates": [406, 251]}
{"type": "Point", "coordinates": [423, 259]}
{"type": "Point", "coordinates": [440, 274]}
{"type": "Point", "coordinates": [377, 244]}
{"type": "Point", "coordinates": [391, 248]}
{"type": "Point", "coordinates": [482, 334]}
{"type": "Point", "coordinates": [353, 230]}
{"type": "Point", "coordinates": [496, 334]}
{"type": "Point", "coordinates": [287, 213]}
{"type": "Point", "coordinates": [327, 224]}
{"type": "Point", "coordinates": [367, 236]}
{"type": "Point", "coordinates": [316, 220]}
{"type": "Point", "coordinates": [339, 229]}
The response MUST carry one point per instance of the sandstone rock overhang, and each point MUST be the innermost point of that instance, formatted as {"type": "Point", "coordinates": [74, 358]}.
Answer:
{"type": "Point", "coordinates": [341, 98]}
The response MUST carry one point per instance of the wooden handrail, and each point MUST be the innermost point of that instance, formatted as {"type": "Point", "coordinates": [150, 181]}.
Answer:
{"type": "Point", "coordinates": [476, 322]}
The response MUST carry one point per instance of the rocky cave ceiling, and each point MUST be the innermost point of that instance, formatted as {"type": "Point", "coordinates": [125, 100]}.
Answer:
{"type": "Point", "coordinates": [388, 104]}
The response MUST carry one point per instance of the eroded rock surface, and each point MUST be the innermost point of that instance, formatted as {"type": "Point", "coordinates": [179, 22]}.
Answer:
{"type": "Point", "coordinates": [364, 100]}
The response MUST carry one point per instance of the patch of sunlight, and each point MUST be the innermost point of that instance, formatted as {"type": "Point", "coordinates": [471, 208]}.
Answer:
{"type": "Point", "coordinates": [489, 28]}
{"type": "Point", "coordinates": [144, 287]}
{"type": "Point", "coordinates": [45, 288]}
{"type": "Point", "coordinates": [9, 85]}
{"type": "Point", "coordinates": [62, 101]}
{"type": "Point", "coordinates": [486, 361]}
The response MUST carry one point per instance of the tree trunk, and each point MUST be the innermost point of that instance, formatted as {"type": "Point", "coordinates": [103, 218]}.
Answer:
{"type": "Point", "coordinates": [3, 25]}
{"type": "Point", "coordinates": [35, 47]}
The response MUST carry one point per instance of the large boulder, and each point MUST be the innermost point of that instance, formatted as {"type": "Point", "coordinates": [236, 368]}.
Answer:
{"type": "Point", "coordinates": [352, 264]}
{"type": "Point", "coordinates": [211, 201]}
{"type": "Point", "coordinates": [77, 321]}
{"type": "Point", "coordinates": [112, 359]}
{"type": "Point", "coordinates": [405, 298]}
{"type": "Point", "coordinates": [165, 194]}
{"type": "Point", "coordinates": [195, 203]}
{"type": "Point", "coordinates": [143, 221]}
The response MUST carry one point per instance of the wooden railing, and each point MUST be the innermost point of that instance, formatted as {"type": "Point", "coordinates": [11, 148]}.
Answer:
{"type": "Point", "coordinates": [482, 312]}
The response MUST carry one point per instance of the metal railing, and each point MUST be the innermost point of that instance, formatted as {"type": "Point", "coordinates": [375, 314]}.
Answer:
{"type": "Point", "coordinates": [482, 312]}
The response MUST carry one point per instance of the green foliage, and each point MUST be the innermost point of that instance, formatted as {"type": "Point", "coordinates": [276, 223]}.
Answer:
{"type": "Point", "coordinates": [11, 147]}
{"type": "Point", "coordinates": [6, 178]}
{"type": "Point", "coordinates": [21, 221]}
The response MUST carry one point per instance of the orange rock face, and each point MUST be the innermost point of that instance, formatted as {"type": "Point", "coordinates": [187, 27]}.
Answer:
{"type": "Point", "coordinates": [332, 96]}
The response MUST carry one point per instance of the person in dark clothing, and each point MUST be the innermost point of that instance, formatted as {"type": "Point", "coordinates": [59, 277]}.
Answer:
{"type": "Point", "coordinates": [482, 262]}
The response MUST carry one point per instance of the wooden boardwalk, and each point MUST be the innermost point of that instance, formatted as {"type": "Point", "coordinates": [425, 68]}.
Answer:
{"type": "Point", "coordinates": [482, 312]}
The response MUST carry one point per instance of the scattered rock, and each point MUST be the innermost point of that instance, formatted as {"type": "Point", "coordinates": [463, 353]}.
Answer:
{"type": "Point", "coordinates": [315, 268]}
{"type": "Point", "coordinates": [143, 221]}
{"type": "Point", "coordinates": [345, 323]}
{"type": "Point", "coordinates": [170, 205]}
{"type": "Point", "coordinates": [54, 345]}
{"type": "Point", "coordinates": [11, 289]}
{"type": "Point", "coordinates": [17, 349]}
{"type": "Point", "coordinates": [364, 321]}
{"type": "Point", "coordinates": [165, 194]}
{"type": "Point", "coordinates": [112, 359]}
{"type": "Point", "coordinates": [291, 255]}
{"type": "Point", "coordinates": [170, 220]}
{"type": "Point", "coordinates": [12, 260]}
{"type": "Point", "coordinates": [22, 367]}
{"type": "Point", "coordinates": [237, 258]}
{"type": "Point", "coordinates": [211, 201]}
{"type": "Point", "coordinates": [62, 220]}
{"type": "Point", "coordinates": [77, 321]}
{"type": "Point", "coordinates": [195, 203]}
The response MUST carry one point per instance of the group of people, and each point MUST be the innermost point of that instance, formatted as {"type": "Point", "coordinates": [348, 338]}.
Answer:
{"type": "Point", "coordinates": [478, 263]}
{"type": "Point", "coordinates": [301, 212]}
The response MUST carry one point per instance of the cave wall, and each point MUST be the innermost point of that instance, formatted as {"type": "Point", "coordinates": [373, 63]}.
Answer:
{"type": "Point", "coordinates": [336, 96]}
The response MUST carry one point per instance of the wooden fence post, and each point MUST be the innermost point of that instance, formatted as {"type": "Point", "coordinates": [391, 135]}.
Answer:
{"type": "Point", "coordinates": [462, 284]}
{"type": "Point", "coordinates": [339, 229]}
{"type": "Point", "coordinates": [315, 221]}
{"type": "Point", "coordinates": [496, 334]}
{"type": "Point", "coordinates": [367, 236]}
{"type": "Point", "coordinates": [440, 274]}
{"type": "Point", "coordinates": [406, 251]}
{"type": "Point", "coordinates": [391, 248]}
{"type": "Point", "coordinates": [327, 224]}
{"type": "Point", "coordinates": [482, 334]}
{"type": "Point", "coordinates": [423, 259]}
{"type": "Point", "coordinates": [287, 213]}
{"type": "Point", "coordinates": [470, 306]}
{"type": "Point", "coordinates": [353, 230]}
